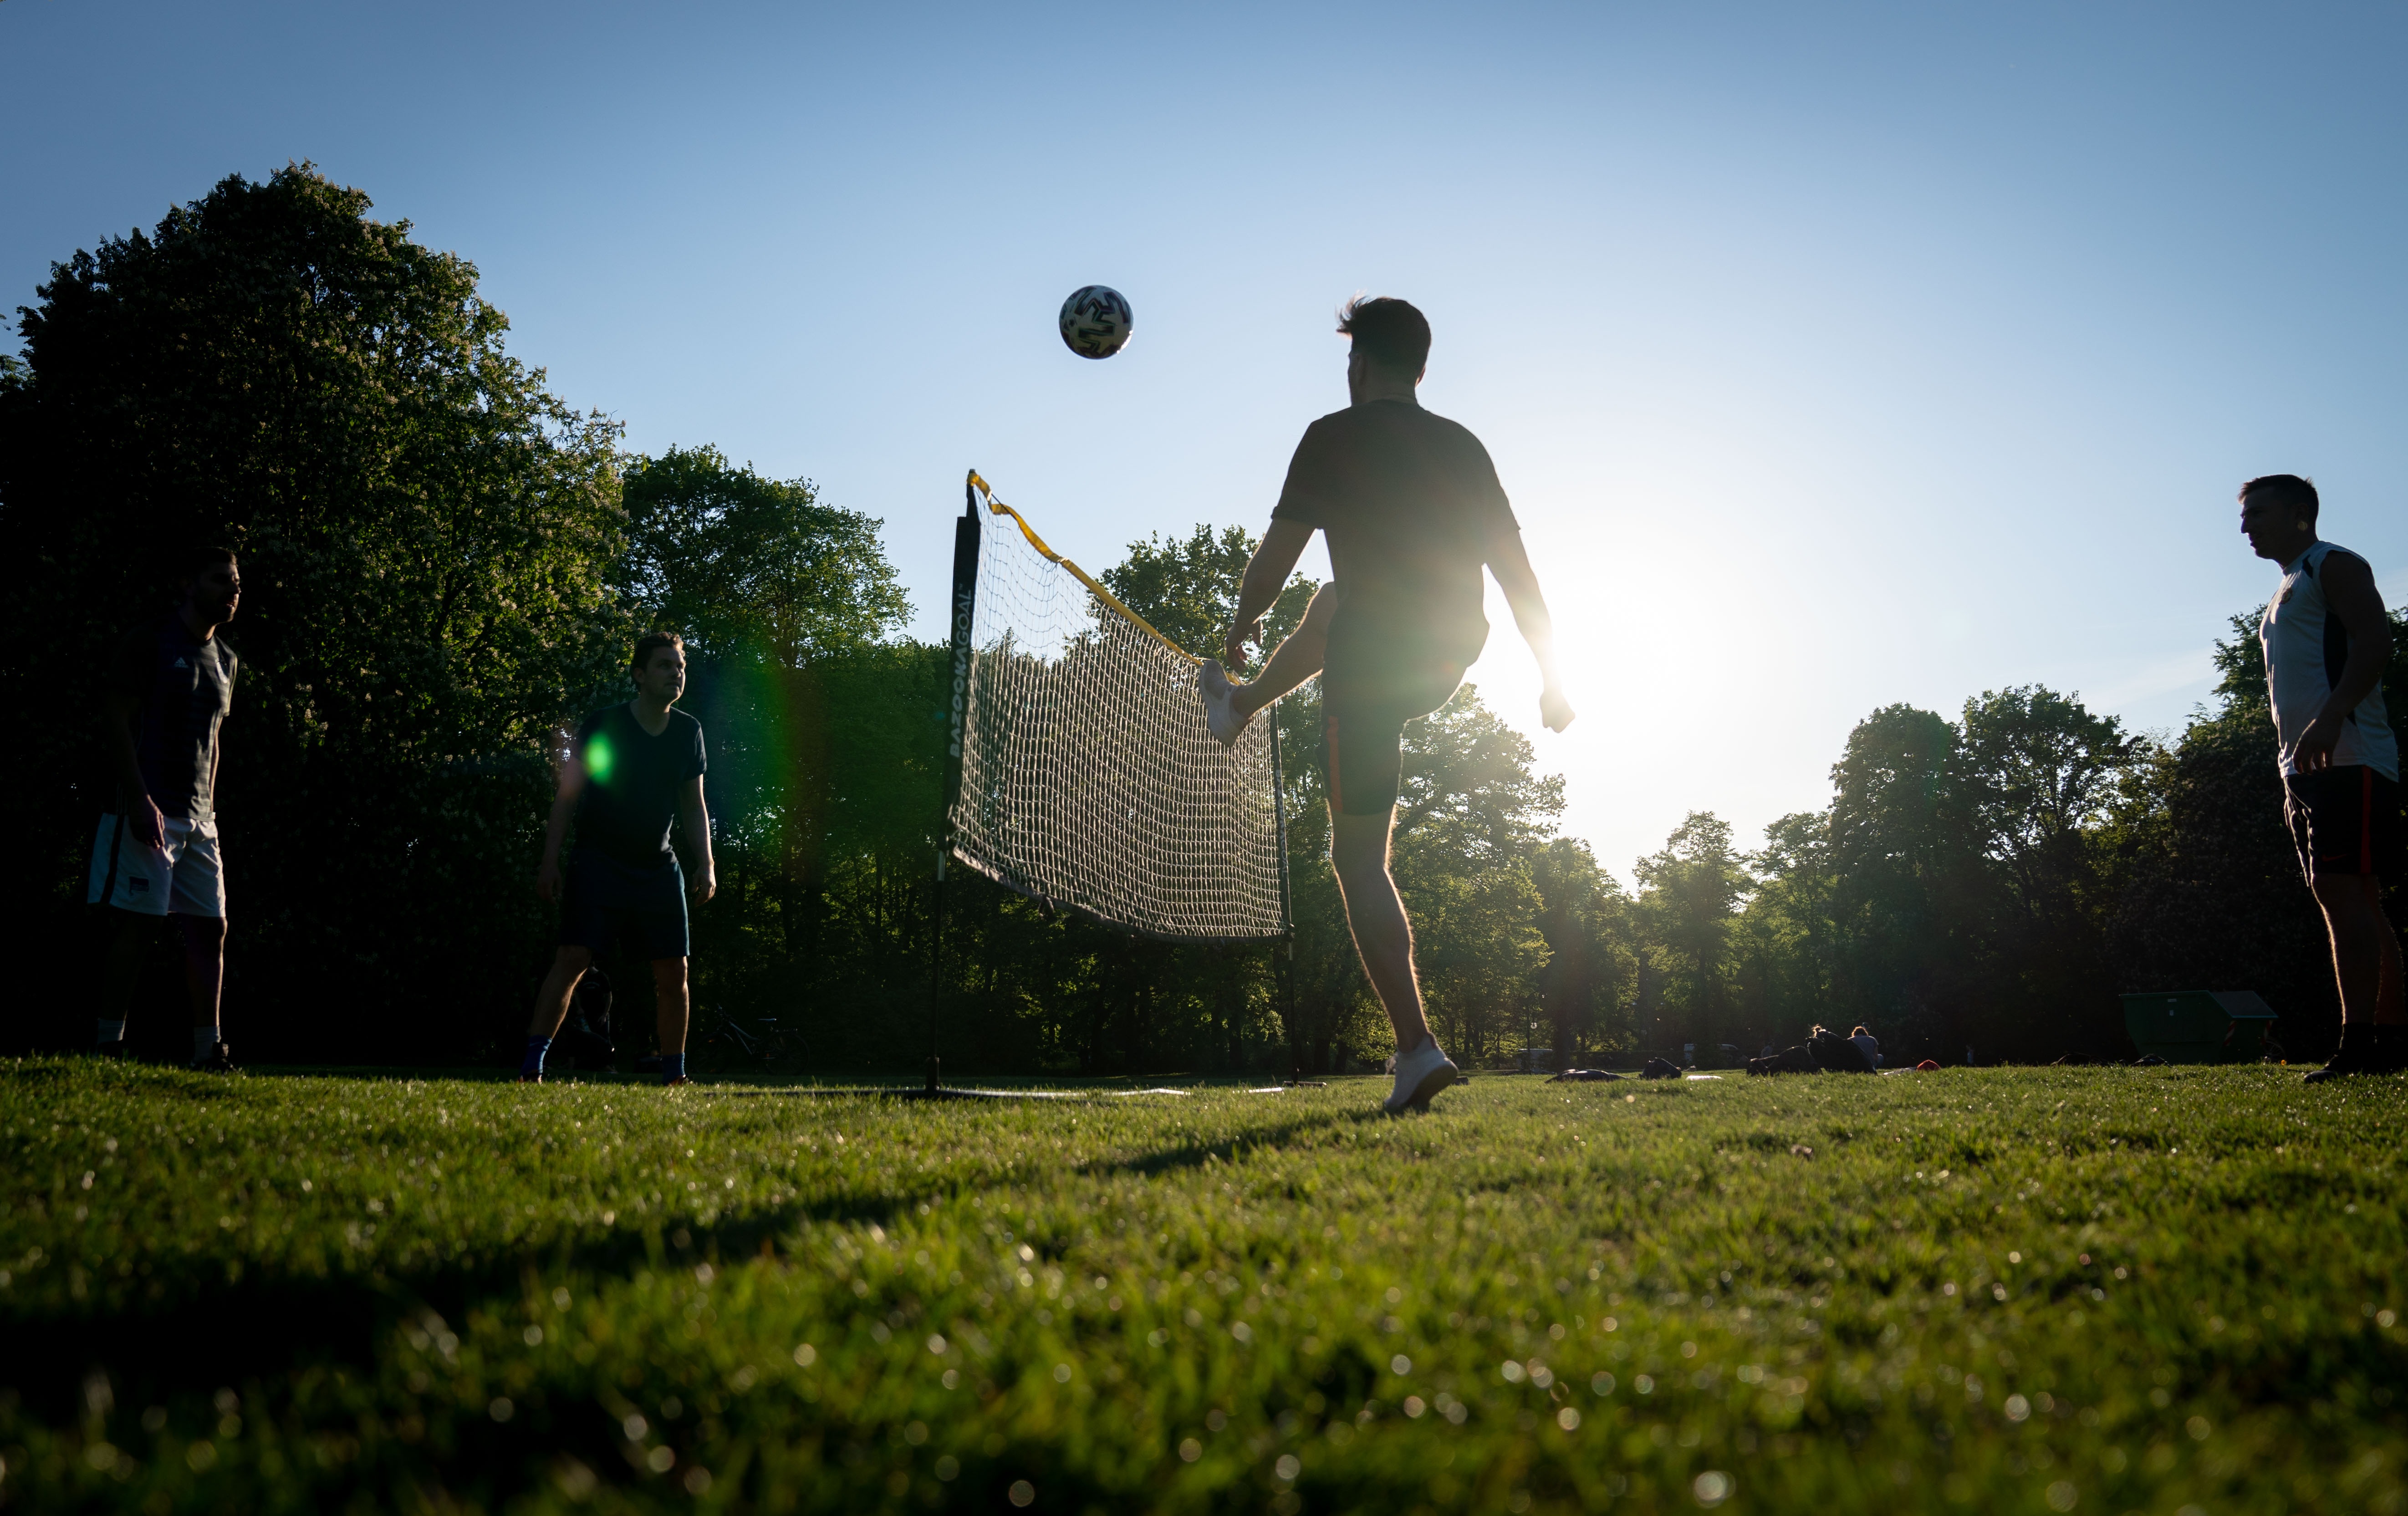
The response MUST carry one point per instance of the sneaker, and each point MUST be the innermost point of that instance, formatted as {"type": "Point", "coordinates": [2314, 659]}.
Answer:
{"type": "Point", "coordinates": [530, 1079]}
{"type": "Point", "coordinates": [1221, 716]}
{"type": "Point", "coordinates": [113, 1052]}
{"type": "Point", "coordinates": [220, 1061]}
{"type": "Point", "coordinates": [671, 1084]}
{"type": "Point", "coordinates": [2369, 1054]}
{"type": "Point", "coordinates": [1420, 1074]}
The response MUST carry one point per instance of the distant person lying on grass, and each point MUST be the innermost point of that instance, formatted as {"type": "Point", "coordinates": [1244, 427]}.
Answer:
{"type": "Point", "coordinates": [1823, 1051]}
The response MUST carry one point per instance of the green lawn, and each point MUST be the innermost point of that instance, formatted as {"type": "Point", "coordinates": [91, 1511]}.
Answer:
{"type": "Point", "coordinates": [2030, 1290]}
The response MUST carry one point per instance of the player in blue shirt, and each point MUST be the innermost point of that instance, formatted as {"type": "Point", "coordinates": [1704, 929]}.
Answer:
{"type": "Point", "coordinates": [632, 772]}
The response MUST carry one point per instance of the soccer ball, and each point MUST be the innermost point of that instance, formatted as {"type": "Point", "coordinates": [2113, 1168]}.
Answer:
{"type": "Point", "coordinates": [1096, 321]}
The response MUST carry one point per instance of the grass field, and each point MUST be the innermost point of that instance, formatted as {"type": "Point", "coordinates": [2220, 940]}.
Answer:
{"type": "Point", "coordinates": [2029, 1290]}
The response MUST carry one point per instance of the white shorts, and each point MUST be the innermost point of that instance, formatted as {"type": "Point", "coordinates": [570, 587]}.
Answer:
{"type": "Point", "coordinates": [186, 876]}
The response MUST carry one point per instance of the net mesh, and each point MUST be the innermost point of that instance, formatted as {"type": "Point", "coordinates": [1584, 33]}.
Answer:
{"type": "Point", "coordinates": [1088, 778]}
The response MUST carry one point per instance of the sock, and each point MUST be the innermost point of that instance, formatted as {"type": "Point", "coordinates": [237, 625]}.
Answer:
{"type": "Point", "coordinates": [672, 1066]}
{"type": "Point", "coordinates": [536, 1047]}
{"type": "Point", "coordinates": [204, 1042]}
{"type": "Point", "coordinates": [111, 1032]}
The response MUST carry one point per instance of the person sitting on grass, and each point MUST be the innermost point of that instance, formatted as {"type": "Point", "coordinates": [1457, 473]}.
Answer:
{"type": "Point", "coordinates": [1413, 510]}
{"type": "Point", "coordinates": [1866, 1045]}
{"type": "Point", "coordinates": [632, 770]}
{"type": "Point", "coordinates": [2326, 639]}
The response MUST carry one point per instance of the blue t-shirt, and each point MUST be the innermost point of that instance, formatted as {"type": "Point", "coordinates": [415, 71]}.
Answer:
{"type": "Point", "coordinates": [632, 782]}
{"type": "Point", "coordinates": [183, 688]}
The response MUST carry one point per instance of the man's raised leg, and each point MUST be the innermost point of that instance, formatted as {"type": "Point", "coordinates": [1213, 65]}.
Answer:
{"type": "Point", "coordinates": [1384, 938]}
{"type": "Point", "coordinates": [1230, 705]}
{"type": "Point", "coordinates": [568, 966]}
{"type": "Point", "coordinates": [676, 1010]}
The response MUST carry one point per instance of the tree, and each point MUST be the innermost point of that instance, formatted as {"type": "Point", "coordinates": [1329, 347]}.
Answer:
{"type": "Point", "coordinates": [424, 529]}
{"type": "Point", "coordinates": [1690, 892]}
{"type": "Point", "coordinates": [1188, 590]}
{"type": "Point", "coordinates": [1585, 921]}
{"type": "Point", "coordinates": [752, 568]}
{"type": "Point", "coordinates": [2036, 771]}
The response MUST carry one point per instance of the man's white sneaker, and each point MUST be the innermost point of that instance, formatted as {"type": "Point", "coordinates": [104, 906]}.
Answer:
{"type": "Point", "coordinates": [1420, 1074]}
{"type": "Point", "coordinates": [1221, 716]}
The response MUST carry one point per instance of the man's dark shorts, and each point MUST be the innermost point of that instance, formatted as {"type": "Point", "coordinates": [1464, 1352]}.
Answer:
{"type": "Point", "coordinates": [605, 897]}
{"type": "Point", "coordinates": [1363, 726]}
{"type": "Point", "coordinates": [2345, 821]}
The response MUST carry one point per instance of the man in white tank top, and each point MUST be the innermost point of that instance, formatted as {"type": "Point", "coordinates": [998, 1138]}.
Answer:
{"type": "Point", "coordinates": [2326, 639]}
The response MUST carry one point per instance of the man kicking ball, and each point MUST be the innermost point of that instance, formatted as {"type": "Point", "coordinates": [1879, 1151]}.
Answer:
{"type": "Point", "coordinates": [634, 769]}
{"type": "Point", "coordinates": [2325, 641]}
{"type": "Point", "coordinates": [1413, 510]}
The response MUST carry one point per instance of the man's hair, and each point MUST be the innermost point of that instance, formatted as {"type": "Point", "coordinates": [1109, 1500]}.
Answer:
{"type": "Point", "coordinates": [198, 560]}
{"type": "Point", "coordinates": [1860, 1032]}
{"type": "Point", "coordinates": [1387, 331]}
{"type": "Point", "coordinates": [2285, 490]}
{"type": "Point", "coordinates": [651, 643]}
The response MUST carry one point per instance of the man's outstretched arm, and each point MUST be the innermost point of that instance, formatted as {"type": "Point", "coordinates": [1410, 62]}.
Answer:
{"type": "Point", "coordinates": [555, 827]}
{"type": "Point", "coordinates": [1267, 573]}
{"type": "Point", "coordinates": [1510, 563]}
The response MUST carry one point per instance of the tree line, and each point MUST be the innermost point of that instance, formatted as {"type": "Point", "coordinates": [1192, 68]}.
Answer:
{"type": "Point", "coordinates": [444, 563]}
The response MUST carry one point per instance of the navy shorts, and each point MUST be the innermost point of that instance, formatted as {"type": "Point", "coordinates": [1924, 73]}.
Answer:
{"type": "Point", "coordinates": [605, 897]}
{"type": "Point", "coordinates": [2343, 820]}
{"type": "Point", "coordinates": [1363, 732]}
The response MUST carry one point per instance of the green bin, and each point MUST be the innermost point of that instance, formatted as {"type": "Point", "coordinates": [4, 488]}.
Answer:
{"type": "Point", "coordinates": [2199, 1026]}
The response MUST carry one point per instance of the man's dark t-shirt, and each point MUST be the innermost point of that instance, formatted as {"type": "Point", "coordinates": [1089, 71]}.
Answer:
{"type": "Point", "coordinates": [632, 780]}
{"type": "Point", "coordinates": [1410, 502]}
{"type": "Point", "coordinates": [183, 689]}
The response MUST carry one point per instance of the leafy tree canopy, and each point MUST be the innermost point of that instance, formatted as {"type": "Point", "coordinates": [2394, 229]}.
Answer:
{"type": "Point", "coordinates": [424, 529]}
{"type": "Point", "coordinates": [744, 566]}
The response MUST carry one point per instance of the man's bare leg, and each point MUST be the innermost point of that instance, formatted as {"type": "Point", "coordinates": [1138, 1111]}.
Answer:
{"type": "Point", "coordinates": [676, 1003]}
{"type": "Point", "coordinates": [1375, 913]}
{"type": "Point", "coordinates": [2366, 949]}
{"type": "Point", "coordinates": [120, 975]}
{"type": "Point", "coordinates": [2366, 969]}
{"type": "Point", "coordinates": [204, 978]}
{"type": "Point", "coordinates": [1296, 659]}
{"type": "Point", "coordinates": [1230, 705]}
{"type": "Point", "coordinates": [568, 966]}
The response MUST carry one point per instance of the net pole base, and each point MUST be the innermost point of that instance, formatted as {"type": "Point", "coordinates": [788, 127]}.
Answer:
{"type": "Point", "coordinates": [934, 1074]}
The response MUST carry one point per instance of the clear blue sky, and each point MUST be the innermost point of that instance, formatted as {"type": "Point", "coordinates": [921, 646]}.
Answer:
{"type": "Point", "coordinates": [1833, 355]}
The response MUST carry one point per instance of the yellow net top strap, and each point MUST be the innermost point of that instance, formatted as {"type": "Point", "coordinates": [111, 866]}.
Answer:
{"type": "Point", "coordinates": [999, 508]}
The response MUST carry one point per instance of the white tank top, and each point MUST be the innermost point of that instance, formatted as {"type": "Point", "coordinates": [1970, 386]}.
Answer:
{"type": "Point", "coordinates": [2305, 647]}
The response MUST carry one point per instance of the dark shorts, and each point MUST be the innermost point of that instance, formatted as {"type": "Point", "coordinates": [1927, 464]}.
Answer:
{"type": "Point", "coordinates": [1363, 727]}
{"type": "Point", "coordinates": [2343, 821]}
{"type": "Point", "coordinates": [605, 897]}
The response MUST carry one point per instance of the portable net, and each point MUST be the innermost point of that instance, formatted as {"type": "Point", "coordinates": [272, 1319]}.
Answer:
{"type": "Point", "coordinates": [1088, 780]}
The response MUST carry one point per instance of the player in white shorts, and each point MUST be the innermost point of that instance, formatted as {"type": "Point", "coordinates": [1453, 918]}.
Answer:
{"type": "Point", "coordinates": [166, 697]}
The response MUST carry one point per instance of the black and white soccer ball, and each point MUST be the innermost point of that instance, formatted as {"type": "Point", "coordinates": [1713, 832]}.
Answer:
{"type": "Point", "coordinates": [1096, 321]}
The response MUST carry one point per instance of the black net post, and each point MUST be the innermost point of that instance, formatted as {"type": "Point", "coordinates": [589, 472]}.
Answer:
{"type": "Point", "coordinates": [957, 699]}
{"type": "Point", "coordinates": [1283, 950]}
